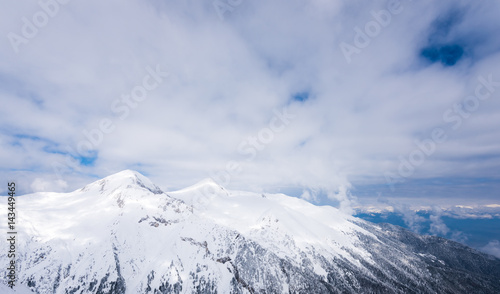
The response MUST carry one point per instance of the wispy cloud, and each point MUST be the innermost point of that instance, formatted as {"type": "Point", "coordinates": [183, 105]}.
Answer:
{"type": "Point", "coordinates": [437, 226]}
{"type": "Point", "coordinates": [492, 248]}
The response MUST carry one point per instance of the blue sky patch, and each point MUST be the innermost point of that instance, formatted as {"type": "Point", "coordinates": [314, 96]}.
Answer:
{"type": "Point", "coordinates": [443, 44]}
{"type": "Point", "coordinates": [87, 160]}
{"type": "Point", "coordinates": [52, 147]}
{"type": "Point", "coordinates": [29, 137]}
{"type": "Point", "coordinates": [448, 55]}
{"type": "Point", "coordinates": [301, 96]}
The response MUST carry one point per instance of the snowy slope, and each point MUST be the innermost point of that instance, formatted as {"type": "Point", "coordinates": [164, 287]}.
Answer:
{"type": "Point", "coordinates": [122, 234]}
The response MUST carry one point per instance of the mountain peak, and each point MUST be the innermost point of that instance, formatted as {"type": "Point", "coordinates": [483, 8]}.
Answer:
{"type": "Point", "coordinates": [123, 179]}
{"type": "Point", "coordinates": [127, 173]}
{"type": "Point", "coordinates": [201, 194]}
{"type": "Point", "coordinates": [207, 186]}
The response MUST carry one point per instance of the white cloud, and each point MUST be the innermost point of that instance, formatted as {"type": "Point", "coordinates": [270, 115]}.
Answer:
{"type": "Point", "coordinates": [41, 185]}
{"type": "Point", "coordinates": [228, 76]}
{"type": "Point", "coordinates": [437, 226]}
{"type": "Point", "coordinates": [493, 248]}
{"type": "Point", "coordinates": [309, 196]}
{"type": "Point", "coordinates": [412, 219]}
{"type": "Point", "coordinates": [459, 237]}
{"type": "Point", "coordinates": [344, 198]}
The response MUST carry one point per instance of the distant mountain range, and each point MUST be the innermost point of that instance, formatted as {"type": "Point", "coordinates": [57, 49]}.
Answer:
{"type": "Point", "coordinates": [123, 234]}
{"type": "Point", "coordinates": [486, 211]}
{"type": "Point", "coordinates": [477, 226]}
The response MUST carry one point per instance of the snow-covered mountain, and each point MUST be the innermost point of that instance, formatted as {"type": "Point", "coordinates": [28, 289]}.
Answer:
{"type": "Point", "coordinates": [122, 234]}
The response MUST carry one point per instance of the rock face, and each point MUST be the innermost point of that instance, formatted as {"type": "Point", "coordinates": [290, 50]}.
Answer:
{"type": "Point", "coordinates": [122, 234]}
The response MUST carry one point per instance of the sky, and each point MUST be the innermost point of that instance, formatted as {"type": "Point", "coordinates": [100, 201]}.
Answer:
{"type": "Point", "coordinates": [336, 102]}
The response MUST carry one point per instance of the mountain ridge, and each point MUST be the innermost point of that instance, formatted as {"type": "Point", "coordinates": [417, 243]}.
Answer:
{"type": "Point", "coordinates": [122, 234]}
